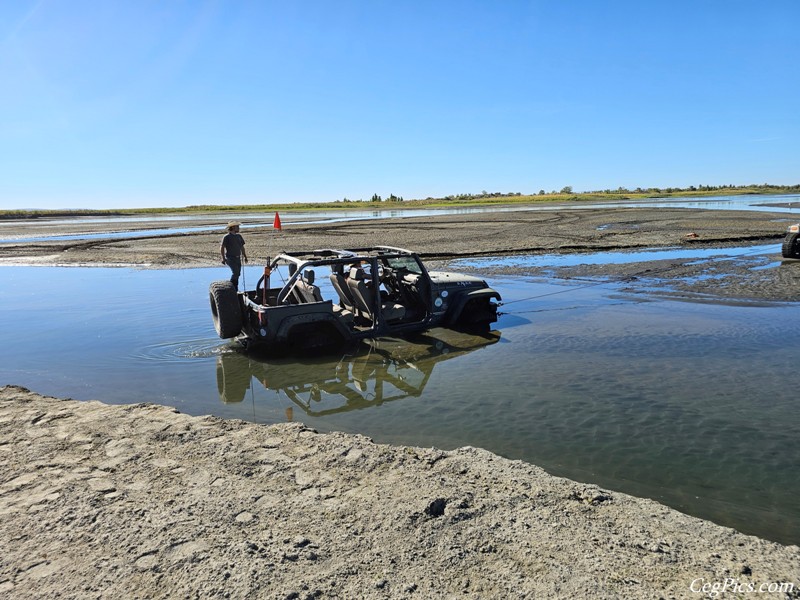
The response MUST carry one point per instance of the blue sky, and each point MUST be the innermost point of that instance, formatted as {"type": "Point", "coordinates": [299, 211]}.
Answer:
{"type": "Point", "coordinates": [169, 103]}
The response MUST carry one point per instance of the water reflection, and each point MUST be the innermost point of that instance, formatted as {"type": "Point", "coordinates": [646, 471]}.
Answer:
{"type": "Point", "coordinates": [378, 371]}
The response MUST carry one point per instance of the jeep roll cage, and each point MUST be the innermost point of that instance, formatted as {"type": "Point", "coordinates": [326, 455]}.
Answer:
{"type": "Point", "coordinates": [367, 292]}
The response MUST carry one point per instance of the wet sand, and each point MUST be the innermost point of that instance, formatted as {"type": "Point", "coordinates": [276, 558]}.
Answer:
{"type": "Point", "coordinates": [140, 501]}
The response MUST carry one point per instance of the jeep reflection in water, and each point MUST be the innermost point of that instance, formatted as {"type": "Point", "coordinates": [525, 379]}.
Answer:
{"type": "Point", "coordinates": [375, 372]}
{"type": "Point", "coordinates": [330, 298]}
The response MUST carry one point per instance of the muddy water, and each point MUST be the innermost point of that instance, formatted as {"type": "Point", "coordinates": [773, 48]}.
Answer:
{"type": "Point", "coordinates": [691, 404]}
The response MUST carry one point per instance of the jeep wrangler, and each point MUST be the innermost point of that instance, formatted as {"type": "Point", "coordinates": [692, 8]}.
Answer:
{"type": "Point", "coordinates": [368, 292]}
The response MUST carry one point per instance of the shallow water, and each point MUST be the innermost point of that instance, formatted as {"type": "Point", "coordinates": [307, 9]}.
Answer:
{"type": "Point", "coordinates": [613, 258]}
{"type": "Point", "coordinates": [690, 404]}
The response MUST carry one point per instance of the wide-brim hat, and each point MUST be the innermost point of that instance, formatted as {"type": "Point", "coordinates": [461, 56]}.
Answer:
{"type": "Point", "coordinates": [232, 224]}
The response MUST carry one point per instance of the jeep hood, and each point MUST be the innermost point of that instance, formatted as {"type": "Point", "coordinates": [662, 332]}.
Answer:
{"type": "Point", "coordinates": [448, 279]}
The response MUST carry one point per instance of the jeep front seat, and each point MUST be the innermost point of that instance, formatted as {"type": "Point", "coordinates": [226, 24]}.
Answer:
{"type": "Point", "coordinates": [364, 298]}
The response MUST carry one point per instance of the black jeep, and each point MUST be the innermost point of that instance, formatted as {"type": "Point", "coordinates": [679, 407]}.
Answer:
{"type": "Point", "coordinates": [330, 298]}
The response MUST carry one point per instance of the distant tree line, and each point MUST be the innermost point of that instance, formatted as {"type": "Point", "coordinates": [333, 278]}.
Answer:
{"type": "Point", "coordinates": [568, 190]}
{"type": "Point", "coordinates": [376, 198]}
{"type": "Point", "coordinates": [760, 187]}
{"type": "Point", "coordinates": [484, 194]}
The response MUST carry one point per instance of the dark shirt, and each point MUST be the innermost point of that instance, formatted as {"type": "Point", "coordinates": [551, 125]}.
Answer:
{"type": "Point", "coordinates": [233, 244]}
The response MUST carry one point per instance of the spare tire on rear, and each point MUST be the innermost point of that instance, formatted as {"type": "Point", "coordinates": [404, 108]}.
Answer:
{"type": "Point", "coordinates": [225, 309]}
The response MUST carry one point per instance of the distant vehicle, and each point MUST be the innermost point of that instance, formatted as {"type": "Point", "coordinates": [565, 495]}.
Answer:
{"type": "Point", "coordinates": [791, 243]}
{"type": "Point", "coordinates": [368, 292]}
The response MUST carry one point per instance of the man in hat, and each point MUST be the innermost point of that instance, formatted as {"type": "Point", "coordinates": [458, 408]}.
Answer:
{"type": "Point", "coordinates": [232, 251]}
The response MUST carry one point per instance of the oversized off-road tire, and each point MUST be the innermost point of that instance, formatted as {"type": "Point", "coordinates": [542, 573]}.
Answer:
{"type": "Point", "coordinates": [791, 246]}
{"type": "Point", "coordinates": [225, 309]}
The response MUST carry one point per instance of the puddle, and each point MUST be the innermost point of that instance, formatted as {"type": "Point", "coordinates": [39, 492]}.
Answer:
{"type": "Point", "coordinates": [686, 403]}
{"type": "Point", "coordinates": [766, 267]}
{"type": "Point", "coordinates": [610, 226]}
{"type": "Point", "coordinates": [610, 258]}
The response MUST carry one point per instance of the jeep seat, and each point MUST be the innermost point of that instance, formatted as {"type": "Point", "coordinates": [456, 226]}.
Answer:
{"type": "Point", "coordinates": [340, 285]}
{"type": "Point", "coordinates": [307, 291]}
{"type": "Point", "coordinates": [364, 298]}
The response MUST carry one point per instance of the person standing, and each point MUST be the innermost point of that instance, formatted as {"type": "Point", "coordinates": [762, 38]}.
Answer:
{"type": "Point", "coordinates": [232, 251]}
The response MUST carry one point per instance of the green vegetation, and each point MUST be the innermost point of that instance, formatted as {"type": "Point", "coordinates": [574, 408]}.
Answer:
{"type": "Point", "coordinates": [483, 198]}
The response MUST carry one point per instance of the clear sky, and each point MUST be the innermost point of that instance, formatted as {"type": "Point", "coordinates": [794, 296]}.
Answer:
{"type": "Point", "coordinates": [141, 103]}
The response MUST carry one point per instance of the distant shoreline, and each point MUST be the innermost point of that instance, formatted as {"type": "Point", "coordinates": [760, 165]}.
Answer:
{"type": "Point", "coordinates": [461, 200]}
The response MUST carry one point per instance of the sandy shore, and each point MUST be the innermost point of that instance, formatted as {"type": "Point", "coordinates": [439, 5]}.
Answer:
{"type": "Point", "coordinates": [143, 502]}
{"type": "Point", "coordinates": [140, 501]}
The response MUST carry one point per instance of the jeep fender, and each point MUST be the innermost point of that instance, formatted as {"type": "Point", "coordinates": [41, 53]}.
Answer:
{"type": "Point", "coordinates": [286, 325]}
{"type": "Point", "coordinates": [458, 304]}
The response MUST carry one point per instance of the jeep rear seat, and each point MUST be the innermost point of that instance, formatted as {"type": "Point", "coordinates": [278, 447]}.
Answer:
{"type": "Point", "coordinates": [305, 291]}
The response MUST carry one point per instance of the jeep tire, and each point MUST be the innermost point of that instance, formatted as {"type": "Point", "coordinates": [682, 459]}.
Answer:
{"type": "Point", "coordinates": [225, 309]}
{"type": "Point", "coordinates": [791, 246]}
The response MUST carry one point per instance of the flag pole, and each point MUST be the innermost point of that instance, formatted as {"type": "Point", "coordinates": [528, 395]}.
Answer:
{"type": "Point", "coordinates": [276, 224]}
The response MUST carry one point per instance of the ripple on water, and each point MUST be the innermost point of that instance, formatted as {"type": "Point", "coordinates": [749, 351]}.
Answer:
{"type": "Point", "coordinates": [179, 351]}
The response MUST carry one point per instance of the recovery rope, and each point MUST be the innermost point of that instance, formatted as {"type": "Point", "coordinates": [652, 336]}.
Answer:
{"type": "Point", "coordinates": [626, 278]}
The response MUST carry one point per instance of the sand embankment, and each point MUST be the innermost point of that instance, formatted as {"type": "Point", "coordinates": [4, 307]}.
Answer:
{"type": "Point", "coordinates": [140, 501]}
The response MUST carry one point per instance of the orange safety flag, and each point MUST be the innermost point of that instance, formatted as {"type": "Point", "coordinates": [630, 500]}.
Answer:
{"type": "Point", "coordinates": [276, 224]}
